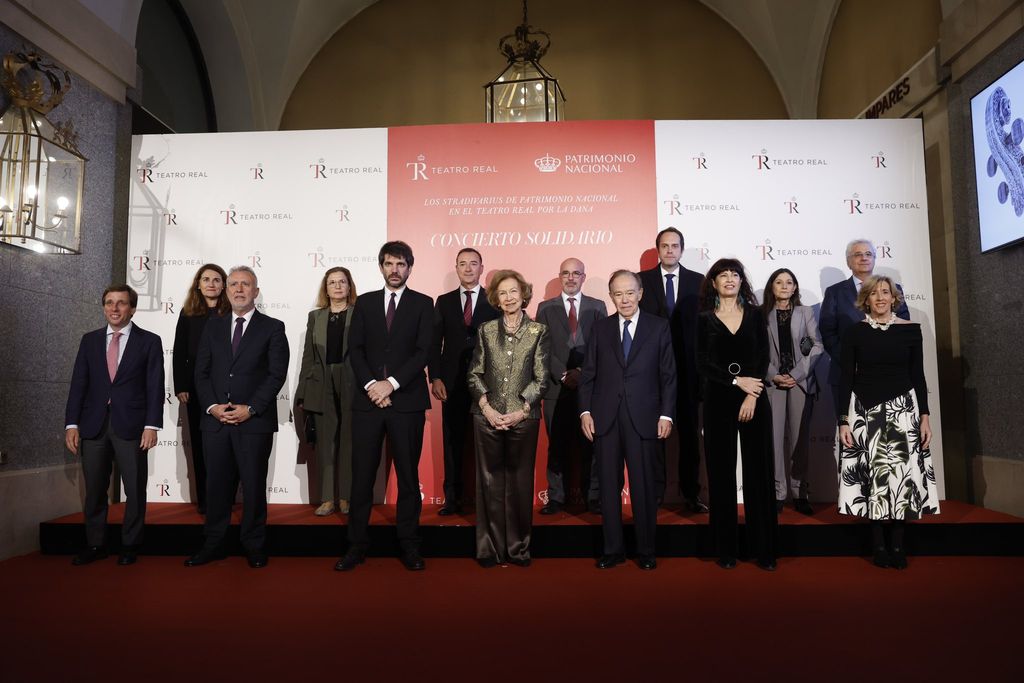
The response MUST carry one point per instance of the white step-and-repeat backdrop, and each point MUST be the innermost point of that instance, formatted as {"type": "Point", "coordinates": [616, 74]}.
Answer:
{"type": "Point", "coordinates": [292, 204]}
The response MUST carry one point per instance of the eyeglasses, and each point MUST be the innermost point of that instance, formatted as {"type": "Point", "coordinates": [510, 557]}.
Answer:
{"type": "Point", "coordinates": [573, 273]}
{"type": "Point", "coordinates": [862, 254]}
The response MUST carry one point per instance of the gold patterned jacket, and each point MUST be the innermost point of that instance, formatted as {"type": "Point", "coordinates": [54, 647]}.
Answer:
{"type": "Point", "coordinates": [511, 369]}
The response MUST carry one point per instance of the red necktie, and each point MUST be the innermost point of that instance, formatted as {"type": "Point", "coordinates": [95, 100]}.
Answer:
{"type": "Point", "coordinates": [390, 316]}
{"type": "Point", "coordinates": [573, 321]}
{"type": "Point", "coordinates": [467, 310]}
{"type": "Point", "coordinates": [112, 353]}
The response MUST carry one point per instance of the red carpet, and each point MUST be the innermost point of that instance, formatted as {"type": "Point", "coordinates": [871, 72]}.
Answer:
{"type": "Point", "coordinates": [816, 619]}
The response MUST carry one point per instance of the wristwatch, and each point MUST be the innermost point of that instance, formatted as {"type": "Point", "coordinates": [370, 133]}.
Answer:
{"type": "Point", "coordinates": [252, 412]}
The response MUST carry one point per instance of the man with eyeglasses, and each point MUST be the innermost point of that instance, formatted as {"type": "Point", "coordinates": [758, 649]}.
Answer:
{"type": "Point", "coordinates": [839, 310]}
{"type": "Point", "coordinates": [570, 316]}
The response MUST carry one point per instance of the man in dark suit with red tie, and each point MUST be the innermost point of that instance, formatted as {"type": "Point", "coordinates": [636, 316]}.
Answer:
{"type": "Point", "coordinates": [389, 344]}
{"type": "Point", "coordinates": [627, 399]}
{"type": "Point", "coordinates": [114, 409]}
{"type": "Point", "coordinates": [457, 316]}
{"type": "Point", "coordinates": [671, 292]}
{"type": "Point", "coordinates": [570, 318]}
{"type": "Point", "coordinates": [241, 365]}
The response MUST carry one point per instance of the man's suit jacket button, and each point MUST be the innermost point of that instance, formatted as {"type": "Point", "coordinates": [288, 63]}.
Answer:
{"type": "Point", "coordinates": [231, 374]}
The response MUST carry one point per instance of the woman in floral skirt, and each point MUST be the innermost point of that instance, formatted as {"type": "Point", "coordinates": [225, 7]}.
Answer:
{"type": "Point", "coordinates": [885, 467]}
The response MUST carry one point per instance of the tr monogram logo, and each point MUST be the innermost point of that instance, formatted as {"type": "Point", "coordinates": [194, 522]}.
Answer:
{"type": "Point", "coordinates": [419, 168]}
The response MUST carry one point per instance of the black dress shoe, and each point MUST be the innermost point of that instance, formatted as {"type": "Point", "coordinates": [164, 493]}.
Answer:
{"type": "Point", "coordinates": [594, 507]}
{"type": "Point", "coordinates": [898, 558]}
{"type": "Point", "coordinates": [353, 558]}
{"type": "Point", "coordinates": [258, 560]}
{"type": "Point", "coordinates": [646, 562]}
{"type": "Point", "coordinates": [487, 562]}
{"type": "Point", "coordinates": [450, 509]}
{"type": "Point", "coordinates": [520, 561]}
{"type": "Point", "coordinates": [767, 565]}
{"type": "Point", "coordinates": [880, 557]}
{"type": "Point", "coordinates": [695, 505]}
{"type": "Point", "coordinates": [552, 508]}
{"type": "Point", "coordinates": [205, 556]}
{"type": "Point", "coordinates": [412, 561]}
{"type": "Point", "coordinates": [89, 555]}
{"type": "Point", "coordinates": [201, 509]}
{"type": "Point", "coordinates": [609, 561]}
{"type": "Point", "coordinates": [726, 562]}
{"type": "Point", "coordinates": [779, 504]}
{"type": "Point", "coordinates": [803, 506]}
{"type": "Point", "coordinates": [127, 556]}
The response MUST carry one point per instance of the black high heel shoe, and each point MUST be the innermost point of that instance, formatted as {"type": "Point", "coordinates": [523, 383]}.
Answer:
{"type": "Point", "coordinates": [881, 557]}
{"type": "Point", "coordinates": [898, 559]}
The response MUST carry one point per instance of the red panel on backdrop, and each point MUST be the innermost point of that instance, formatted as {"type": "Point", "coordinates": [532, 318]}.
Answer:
{"type": "Point", "coordinates": [526, 196]}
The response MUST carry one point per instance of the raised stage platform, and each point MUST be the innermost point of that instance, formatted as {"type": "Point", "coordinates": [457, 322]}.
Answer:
{"type": "Point", "coordinates": [176, 529]}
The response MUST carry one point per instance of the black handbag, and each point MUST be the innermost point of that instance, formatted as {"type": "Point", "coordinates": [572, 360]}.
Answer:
{"type": "Point", "coordinates": [806, 344]}
{"type": "Point", "coordinates": [309, 427]}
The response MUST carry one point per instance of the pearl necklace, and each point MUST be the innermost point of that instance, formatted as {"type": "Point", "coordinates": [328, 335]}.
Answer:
{"type": "Point", "coordinates": [512, 330]}
{"type": "Point", "coordinates": [875, 325]}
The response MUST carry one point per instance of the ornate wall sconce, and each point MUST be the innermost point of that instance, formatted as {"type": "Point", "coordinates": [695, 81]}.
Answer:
{"type": "Point", "coordinates": [42, 173]}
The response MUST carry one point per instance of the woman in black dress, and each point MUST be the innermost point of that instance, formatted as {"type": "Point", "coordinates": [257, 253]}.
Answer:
{"type": "Point", "coordinates": [732, 359]}
{"type": "Point", "coordinates": [885, 467]}
{"type": "Point", "coordinates": [206, 297]}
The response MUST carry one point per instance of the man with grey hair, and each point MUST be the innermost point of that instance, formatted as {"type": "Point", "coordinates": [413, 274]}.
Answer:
{"type": "Point", "coordinates": [627, 400]}
{"type": "Point", "coordinates": [241, 365]}
{"type": "Point", "coordinates": [839, 310]}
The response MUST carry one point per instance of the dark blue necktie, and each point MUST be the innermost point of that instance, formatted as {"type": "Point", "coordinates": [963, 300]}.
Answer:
{"type": "Point", "coordinates": [236, 338]}
{"type": "Point", "coordinates": [627, 341]}
{"type": "Point", "coordinates": [670, 294]}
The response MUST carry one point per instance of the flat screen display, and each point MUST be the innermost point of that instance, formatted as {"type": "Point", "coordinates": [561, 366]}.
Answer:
{"type": "Point", "coordinates": [998, 130]}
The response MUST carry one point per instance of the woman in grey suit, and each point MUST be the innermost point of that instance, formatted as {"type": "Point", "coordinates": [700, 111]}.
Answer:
{"type": "Point", "coordinates": [507, 378]}
{"type": "Point", "coordinates": [794, 348]}
{"type": "Point", "coordinates": [325, 387]}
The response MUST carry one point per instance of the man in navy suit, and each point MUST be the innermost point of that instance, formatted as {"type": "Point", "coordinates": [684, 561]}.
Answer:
{"type": "Point", "coordinates": [241, 365]}
{"type": "Point", "coordinates": [672, 292]}
{"type": "Point", "coordinates": [115, 407]}
{"type": "Point", "coordinates": [457, 316]}
{"type": "Point", "coordinates": [570, 318]}
{"type": "Point", "coordinates": [839, 310]}
{"type": "Point", "coordinates": [627, 399]}
{"type": "Point", "coordinates": [389, 344]}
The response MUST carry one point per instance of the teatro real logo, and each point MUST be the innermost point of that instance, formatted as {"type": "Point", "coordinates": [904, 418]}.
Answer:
{"type": "Point", "coordinates": [547, 163]}
{"type": "Point", "coordinates": [148, 173]}
{"type": "Point", "coordinates": [234, 216]}
{"type": "Point", "coordinates": [677, 206]}
{"type": "Point", "coordinates": [856, 205]}
{"type": "Point", "coordinates": [765, 162]}
{"type": "Point", "coordinates": [321, 170]}
{"type": "Point", "coordinates": [769, 252]}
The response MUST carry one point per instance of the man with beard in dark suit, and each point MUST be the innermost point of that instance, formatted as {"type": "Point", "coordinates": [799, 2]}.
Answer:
{"type": "Point", "coordinates": [671, 292]}
{"type": "Point", "coordinates": [457, 315]}
{"type": "Point", "coordinates": [392, 329]}
{"type": "Point", "coordinates": [570, 318]}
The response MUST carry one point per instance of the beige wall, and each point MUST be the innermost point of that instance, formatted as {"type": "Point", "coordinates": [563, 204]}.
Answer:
{"type": "Point", "coordinates": [873, 42]}
{"type": "Point", "coordinates": [405, 62]}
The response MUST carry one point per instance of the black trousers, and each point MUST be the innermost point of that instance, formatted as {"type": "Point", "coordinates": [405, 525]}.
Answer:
{"type": "Point", "coordinates": [504, 489]}
{"type": "Point", "coordinates": [195, 439]}
{"type": "Point", "coordinates": [687, 430]}
{"type": "Point", "coordinates": [98, 456]}
{"type": "Point", "coordinates": [233, 456]}
{"type": "Point", "coordinates": [721, 425]}
{"type": "Point", "coordinates": [456, 424]}
{"type": "Point", "coordinates": [565, 441]}
{"type": "Point", "coordinates": [405, 435]}
{"type": "Point", "coordinates": [623, 444]}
